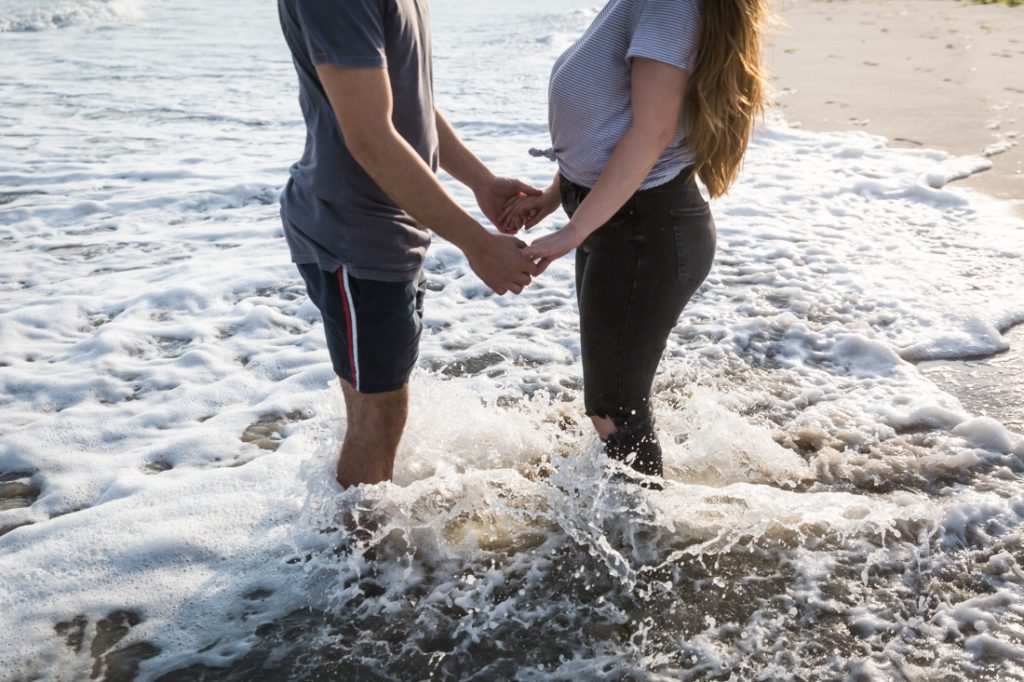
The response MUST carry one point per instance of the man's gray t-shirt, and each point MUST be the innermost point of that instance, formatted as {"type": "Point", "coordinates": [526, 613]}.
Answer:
{"type": "Point", "coordinates": [334, 213]}
{"type": "Point", "coordinates": [590, 95]}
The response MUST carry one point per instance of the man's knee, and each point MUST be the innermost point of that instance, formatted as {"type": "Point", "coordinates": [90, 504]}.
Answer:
{"type": "Point", "coordinates": [376, 415]}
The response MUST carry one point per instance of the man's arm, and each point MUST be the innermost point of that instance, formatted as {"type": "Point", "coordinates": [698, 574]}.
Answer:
{"type": "Point", "coordinates": [492, 193]}
{"type": "Point", "coordinates": [361, 99]}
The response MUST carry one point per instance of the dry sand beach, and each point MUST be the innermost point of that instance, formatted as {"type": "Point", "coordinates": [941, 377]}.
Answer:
{"type": "Point", "coordinates": [924, 73]}
{"type": "Point", "coordinates": [936, 74]}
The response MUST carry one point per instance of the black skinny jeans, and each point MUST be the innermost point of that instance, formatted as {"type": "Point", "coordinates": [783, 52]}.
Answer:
{"type": "Point", "coordinates": [634, 276]}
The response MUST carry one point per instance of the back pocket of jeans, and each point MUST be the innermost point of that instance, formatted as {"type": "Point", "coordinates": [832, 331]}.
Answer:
{"type": "Point", "coordinates": [694, 233]}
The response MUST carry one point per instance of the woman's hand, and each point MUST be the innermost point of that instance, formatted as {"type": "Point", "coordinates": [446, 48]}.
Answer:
{"type": "Point", "coordinates": [550, 248]}
{"type": "Point", "coordinates": [497, 193]}
{"type": "Point", "coordinates": [527, 211]}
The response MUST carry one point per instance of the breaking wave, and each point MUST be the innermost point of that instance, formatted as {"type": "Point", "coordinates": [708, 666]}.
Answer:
{"type": "Point", "coordinates": [64, 14]}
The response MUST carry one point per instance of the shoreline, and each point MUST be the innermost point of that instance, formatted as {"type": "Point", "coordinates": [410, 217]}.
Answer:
{"type": "Point", "coordinates": [986, 386]}
{"type": "Point", "coordinates": [923, 74]}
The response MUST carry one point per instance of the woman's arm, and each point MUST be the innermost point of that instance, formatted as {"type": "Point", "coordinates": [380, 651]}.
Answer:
{"type": "Point", "coordinates": [492, 193]}
{"type": "Point", "coordinates": [658, 91]}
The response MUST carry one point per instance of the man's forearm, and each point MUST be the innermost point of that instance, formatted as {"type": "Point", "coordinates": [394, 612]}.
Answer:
{"type": "Point", "coordinates": [457, 159]}
{"type": "Point", "coordinates": [398, 170]}
{"type": "Point", "coordinates": [362, 101]}
{"type": "Point", "coordinates": [373, 141]}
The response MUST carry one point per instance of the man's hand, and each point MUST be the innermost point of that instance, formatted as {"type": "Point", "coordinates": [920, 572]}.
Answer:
{"type": "Point", "coordinates": [492, 193]}
{"type": "Point", "coordinates": [498, 260]}
{"type": "Point", "coordinates": [492, 196]}
{"type": "Point", "coordinates": [528, 211]}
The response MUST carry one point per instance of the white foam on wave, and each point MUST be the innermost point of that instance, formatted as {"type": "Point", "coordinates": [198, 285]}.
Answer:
{"type": "Point", "coordinates": [172, 421]}
{"type": "Point", "coordinates": [65, 14]}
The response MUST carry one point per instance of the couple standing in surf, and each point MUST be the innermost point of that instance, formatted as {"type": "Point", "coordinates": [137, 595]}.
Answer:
{"type": "Point", "coordinates": [655, 94]}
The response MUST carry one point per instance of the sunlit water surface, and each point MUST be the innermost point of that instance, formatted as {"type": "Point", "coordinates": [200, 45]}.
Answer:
{"type": "Point", "coordinates": [170, 418]}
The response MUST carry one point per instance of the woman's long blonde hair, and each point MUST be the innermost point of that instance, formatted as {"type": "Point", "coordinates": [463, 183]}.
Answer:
{"type": "Point", "coordinates": [727, 89]}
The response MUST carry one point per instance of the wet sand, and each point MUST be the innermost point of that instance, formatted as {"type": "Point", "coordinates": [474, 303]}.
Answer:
{"type": "Point", "coordinates": [989, 387]}
{"type": "Point", "coordinates": [940, 74]}
{"type": "Point", "coordinates": [924, 73]}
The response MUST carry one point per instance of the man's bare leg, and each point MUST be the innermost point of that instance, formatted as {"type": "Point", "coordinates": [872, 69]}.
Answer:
{"type": "Point", "coordinates": [375, 425]}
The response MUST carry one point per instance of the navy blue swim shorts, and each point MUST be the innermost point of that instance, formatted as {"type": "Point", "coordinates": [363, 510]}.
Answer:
{"type": "Point", "coordinates": [372, 327]}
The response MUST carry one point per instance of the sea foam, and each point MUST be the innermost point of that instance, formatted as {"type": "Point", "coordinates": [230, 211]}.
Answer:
{"type": "Point", "coordinates": [65, 14]}
{"type": "Point", "coordinates": [171, 420]}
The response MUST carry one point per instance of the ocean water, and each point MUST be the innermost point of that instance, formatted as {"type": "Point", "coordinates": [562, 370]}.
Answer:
{"type": "Point", "coordinates": [170, 419]}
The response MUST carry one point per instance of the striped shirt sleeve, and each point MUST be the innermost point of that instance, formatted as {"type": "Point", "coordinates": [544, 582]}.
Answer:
{"type": "Point", "coordinates": [667, 31]}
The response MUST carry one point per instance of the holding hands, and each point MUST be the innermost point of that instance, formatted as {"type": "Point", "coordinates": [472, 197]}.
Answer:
{"type": "Point", "coordinates": [526, 211]}
{"type": "Point", "coordinates": [499, 261]}
{"type": "Point", "coordinates": [503, 262]}
{"type": "Point", "coordinates": [494, 196]}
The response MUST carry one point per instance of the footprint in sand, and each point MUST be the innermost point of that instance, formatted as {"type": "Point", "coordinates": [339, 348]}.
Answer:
{"type": "Point", "coordinates": [157, 467]}
{"type": "Point", "coordinates": [267, 432]}
{"type": "Point", "coordinates": [108, 663]}
{"type": "Point", "coordinates": [16, 492]}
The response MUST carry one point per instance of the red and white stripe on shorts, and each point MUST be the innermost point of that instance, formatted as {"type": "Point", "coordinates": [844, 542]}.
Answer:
{"type": "Point", "coordinates": [351, 328]}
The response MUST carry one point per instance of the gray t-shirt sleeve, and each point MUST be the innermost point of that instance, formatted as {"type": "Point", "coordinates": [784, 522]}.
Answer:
{"type": "Point", "coordinates": [348, 33]}
{"type": "Point", "coordinates": [667, 31]}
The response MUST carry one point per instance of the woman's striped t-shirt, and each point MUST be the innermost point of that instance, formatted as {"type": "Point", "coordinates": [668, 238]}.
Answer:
{"type": "Point", "coordinates": [590, 94]}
